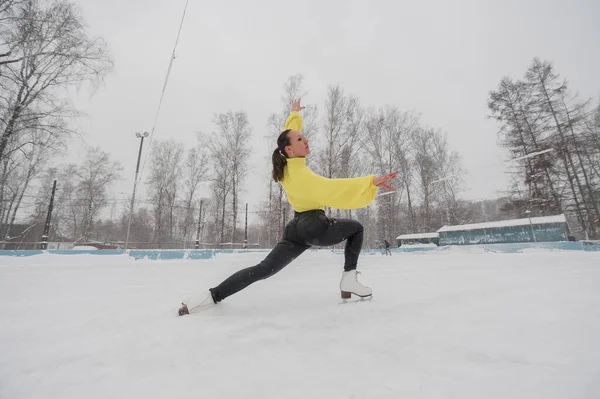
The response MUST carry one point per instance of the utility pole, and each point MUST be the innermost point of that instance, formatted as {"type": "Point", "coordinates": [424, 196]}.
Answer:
{"type": "Point", "coordinates": [137, 169]}
{"type": "Point", "coordinates": [528, 213]}
{"type": "Point", "coordinates": [44, 245]}
{"type": "Point", "coordinates": [246, 229]}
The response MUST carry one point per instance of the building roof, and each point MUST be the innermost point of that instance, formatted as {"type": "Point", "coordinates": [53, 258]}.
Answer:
{"type": "Point", "coordinates": [417, 236]}
{"type": "Point", "coordinates": [506, 223]}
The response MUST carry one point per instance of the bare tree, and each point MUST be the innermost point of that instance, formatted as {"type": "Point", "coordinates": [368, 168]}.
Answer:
{"type": "Point", "coordinates": [591, 137]}
{"type": "Point", "coordinates": [522, 132]}
{"type": "Point", "coordinates": [427, 171]}
{"type": "Point", "coordinates": [240, 155]}
{"type": "Point", "coordinates": [95, 175]}
{"type": "Point", "coordinates": [449, 183]}
{"type": "Point", "coordinates": [196, 171]}
{"type": "Point", "coordinates": [387, 142]}
{"type": "Point", "coordinates": [29, 152]}
{"type": "Point", "coordinates": [48, 50]}
{"type": "Point", "coordinates": [548, 90]}
{"type": "Point", "coordinates": [344, 119]}
{"type": "Point", "coordinates": [539, 114]}
{"type": "Point", "coordinates": [293, 88]}
{"type": "Point", "coordinates": [165, 169]}
{"type": "Point", "coordinates": [9, 42]}
{"type": "Point", "coordinates": [230, 156]}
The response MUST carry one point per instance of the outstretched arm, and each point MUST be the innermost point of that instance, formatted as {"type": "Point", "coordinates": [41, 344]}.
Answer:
{"type": "Point", "coordinates": [294, 121]}
{"type": "Point", "coordinates": [341, 193]}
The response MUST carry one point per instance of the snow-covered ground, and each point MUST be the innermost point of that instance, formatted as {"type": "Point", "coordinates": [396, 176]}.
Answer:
{"type": "Point", "coordinates": [449, 324]}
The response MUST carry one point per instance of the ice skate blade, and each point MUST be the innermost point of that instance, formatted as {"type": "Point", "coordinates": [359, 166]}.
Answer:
{"type": "Point", "coordinates": [357, 299]}
{"type": "Point", "coordinates": [348, 295]}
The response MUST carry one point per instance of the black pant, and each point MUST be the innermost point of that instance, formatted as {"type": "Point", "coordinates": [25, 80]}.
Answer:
{"type": "Point", "coordinates": [306, 229]}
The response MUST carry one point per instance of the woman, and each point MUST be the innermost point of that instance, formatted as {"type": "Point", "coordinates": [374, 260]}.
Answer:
{"type": "Point", "coordinates": [309, 194]}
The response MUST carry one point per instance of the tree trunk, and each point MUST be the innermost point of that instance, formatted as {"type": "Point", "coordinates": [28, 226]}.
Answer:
{"type": "Point", "coordinates": [554, 194]}
{"type": "Point", "coordinates": [567, 159]}
{"type": "Point", "coordinates": [223, 218]}
{"type": "Point", "coordinates": [588, 185]}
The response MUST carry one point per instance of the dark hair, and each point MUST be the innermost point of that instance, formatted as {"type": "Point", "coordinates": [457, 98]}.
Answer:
{"type": "Point", "coordinates": [279, 157]}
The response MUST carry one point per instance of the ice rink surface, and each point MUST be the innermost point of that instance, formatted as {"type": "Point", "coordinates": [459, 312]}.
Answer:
{"type": "Point", "coordinates": [449, 324]}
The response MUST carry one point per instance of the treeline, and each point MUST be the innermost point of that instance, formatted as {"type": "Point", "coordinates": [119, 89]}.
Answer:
{"type": "Point", "coordinates": [347, 139]}
{"type": "Point", "coordinates": [44, 49]}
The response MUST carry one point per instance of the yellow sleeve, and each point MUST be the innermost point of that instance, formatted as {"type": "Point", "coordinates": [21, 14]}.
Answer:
{"type": "Point", "coordinates": [343, 193]}
{"type": "Point", "coordinates": [294, 122]}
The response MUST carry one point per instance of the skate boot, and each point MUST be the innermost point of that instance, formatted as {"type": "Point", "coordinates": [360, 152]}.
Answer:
{"type": "Point", "coordinates": [196, 305]}
{"type": "Point", "coordinates": [350, 285]}
{"type": "Point", "coordinates": [183, 310]}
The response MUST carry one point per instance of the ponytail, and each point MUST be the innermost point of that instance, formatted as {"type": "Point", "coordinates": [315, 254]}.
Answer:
{"type": "Point", "coordinates": [279, 162]}
{"type": "Point", "coordinates": [279, 157]}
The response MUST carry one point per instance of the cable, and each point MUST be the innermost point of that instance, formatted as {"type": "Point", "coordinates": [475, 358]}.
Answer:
{"type": "Point", "coordinates": [164, 89]}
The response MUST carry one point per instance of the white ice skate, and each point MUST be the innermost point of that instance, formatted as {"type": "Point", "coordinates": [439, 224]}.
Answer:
{"type": "Point", "coordinates": [350, 285]}
{"type": "Point", "coordinates": [196, 305]}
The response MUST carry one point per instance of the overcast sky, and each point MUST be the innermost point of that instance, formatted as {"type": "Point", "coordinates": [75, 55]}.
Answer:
{"type": "Point", "coordinates": [439, 58]}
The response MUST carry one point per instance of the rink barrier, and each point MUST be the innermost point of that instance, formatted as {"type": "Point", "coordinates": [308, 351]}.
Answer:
{"type": "Point", "coordinates": [195, 254]}
{"type": "Point", "coordinates": [495, 248]}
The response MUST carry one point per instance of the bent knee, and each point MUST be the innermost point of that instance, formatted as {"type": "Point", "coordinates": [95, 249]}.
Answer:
{"type": "Point", "coordinates": [359, 226]}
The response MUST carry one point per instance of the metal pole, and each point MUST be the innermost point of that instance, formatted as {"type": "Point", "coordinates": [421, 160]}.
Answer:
{"type": "Point", "coordinates": [246, 229]}
{"type": "Point", "coordinates": [48, 218]}
{"type": "Point", "coordinates": [532, 232]}
{"type": "Point", "coordinates": [137, 169]}
{"type": "Point", "coordinates": [528, 212]}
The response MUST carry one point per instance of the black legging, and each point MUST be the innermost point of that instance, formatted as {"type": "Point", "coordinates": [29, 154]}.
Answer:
{"type": "Point", "coordinates": [306, 229]}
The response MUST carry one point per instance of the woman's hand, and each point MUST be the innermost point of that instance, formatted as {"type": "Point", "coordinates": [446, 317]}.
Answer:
{"type": "Point", "coordinates": [381, 181]}
{"type": "Point", "coordinates": [296, 107]}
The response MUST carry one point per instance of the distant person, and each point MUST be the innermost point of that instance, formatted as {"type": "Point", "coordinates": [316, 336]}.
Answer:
{"type": "Point", "coordinates": [308, 194]}
{"type": "Point", "coordinates": [387, 248]}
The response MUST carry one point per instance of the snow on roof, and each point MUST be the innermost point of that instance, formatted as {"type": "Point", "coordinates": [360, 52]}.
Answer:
{"type": "Point", "coordinates": [506, 223]}
{"type": "Point", "coordinates": [417, 236]}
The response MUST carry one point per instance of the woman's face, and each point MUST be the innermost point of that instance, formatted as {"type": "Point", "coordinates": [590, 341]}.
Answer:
{"type": "Point", "coordinates": [298, 145]}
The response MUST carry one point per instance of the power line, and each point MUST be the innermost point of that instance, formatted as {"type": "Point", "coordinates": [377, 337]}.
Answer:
{"type": "Point", "coordinates": [164, 89]}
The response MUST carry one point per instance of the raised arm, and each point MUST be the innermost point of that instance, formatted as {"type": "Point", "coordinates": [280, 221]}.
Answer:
{"type": "Point", "coordinates": [294, 121]}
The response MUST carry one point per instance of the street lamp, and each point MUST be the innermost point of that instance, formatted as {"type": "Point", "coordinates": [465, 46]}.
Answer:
{"type": "Point", "coordinates": [137, 169]}
{"type": "Point", "coordinates": [528, 213]}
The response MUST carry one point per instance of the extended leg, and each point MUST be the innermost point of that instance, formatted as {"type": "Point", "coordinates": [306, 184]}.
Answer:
{"type": "Point", "coordinates": [283, 253]}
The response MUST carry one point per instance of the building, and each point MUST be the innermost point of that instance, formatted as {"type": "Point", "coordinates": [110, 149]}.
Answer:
{"type": "Point", "coordinates": [415, 239]}
{"type": "Point", "coordinates": [535, 229]}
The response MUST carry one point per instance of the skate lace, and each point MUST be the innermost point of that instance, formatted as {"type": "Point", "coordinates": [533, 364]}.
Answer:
{"type": "Point", "coordinates": [357, 273]}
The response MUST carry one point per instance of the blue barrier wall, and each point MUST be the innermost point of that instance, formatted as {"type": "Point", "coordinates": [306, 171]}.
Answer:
{"type": "Point", "coordinates": [134, 253]}
{"type": "Point", "coordinates": [194, 254]}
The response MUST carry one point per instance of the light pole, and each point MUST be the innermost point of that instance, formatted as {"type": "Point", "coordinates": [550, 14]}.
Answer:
{"type": "Point", "coordinates": [137, 169]}
{"type": "Point", "coordinates": [528, 213]}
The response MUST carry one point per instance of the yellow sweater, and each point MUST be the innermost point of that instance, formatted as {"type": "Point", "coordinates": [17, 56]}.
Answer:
{"type": "Point", "coordinates": [307, 191]}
